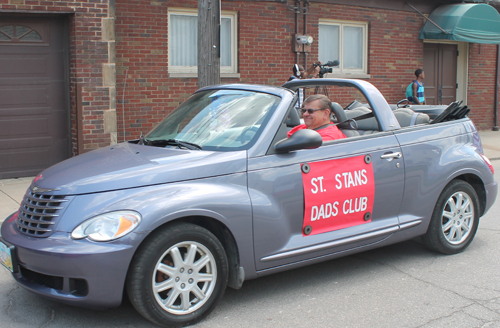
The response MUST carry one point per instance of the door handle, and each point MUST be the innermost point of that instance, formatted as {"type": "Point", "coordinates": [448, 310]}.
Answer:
{"type": "Point", "coordinates": [392, 156]}
{"type": "Point", "coordinates": [440, 94]}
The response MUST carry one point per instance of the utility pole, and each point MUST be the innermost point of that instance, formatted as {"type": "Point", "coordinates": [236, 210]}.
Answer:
{"type": "Point", "coordinates": [208, 42]}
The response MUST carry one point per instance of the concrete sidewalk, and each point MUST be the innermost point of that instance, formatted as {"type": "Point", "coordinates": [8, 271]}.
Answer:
{"type": "Point", "coordinates": [11, 194]}
{"type": "Point", "coordinates": [12, 190]}
{"type": "Point", "coordinates": [491, 144]}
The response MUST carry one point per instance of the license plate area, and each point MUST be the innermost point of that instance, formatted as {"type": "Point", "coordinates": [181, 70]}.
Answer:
{"type": "Point", "coordinates": [7, 256]}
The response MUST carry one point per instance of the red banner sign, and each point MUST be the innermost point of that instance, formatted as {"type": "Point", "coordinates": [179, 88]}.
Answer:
{"type": "Point", "coordinates": [338, 194]}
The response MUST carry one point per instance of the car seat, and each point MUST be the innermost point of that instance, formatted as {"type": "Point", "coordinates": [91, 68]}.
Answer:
{"type": "Point", "coordinates": [365, 126]}
{"type": "Point", "coordinates": [407, 117]}
{"type": "Point", "coordinates": [338, 115]}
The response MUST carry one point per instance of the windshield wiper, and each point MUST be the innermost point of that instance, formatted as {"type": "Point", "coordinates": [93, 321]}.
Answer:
{"type": "Point", "coordinates": [185, 144]}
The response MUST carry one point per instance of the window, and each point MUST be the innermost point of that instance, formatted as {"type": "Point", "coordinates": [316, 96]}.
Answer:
{"type": "Point", "coordinates": [217, 120]}
{"type": "Point", "coordinates": [183, 41]}
{"type": "Point", "coordinates": [345, 41]}
{"type": "Point", "coordinates": [19, 33]}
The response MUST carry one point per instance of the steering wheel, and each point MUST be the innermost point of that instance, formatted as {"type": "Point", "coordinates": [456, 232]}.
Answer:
{"type": "Point", "coordinates": [406, 103]}
{"type": "Point", "coordinates": [244, 136]}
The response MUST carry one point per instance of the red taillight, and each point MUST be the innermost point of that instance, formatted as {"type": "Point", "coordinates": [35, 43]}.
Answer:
{"type": "Point", "coordinates": [487, 161]}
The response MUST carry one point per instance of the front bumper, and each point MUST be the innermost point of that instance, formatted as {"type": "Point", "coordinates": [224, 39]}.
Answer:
{"type": "Point", "coordinates": [76, 272]}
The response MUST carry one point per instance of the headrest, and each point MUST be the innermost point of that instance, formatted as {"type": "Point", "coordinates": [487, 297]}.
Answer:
{"type": "Point", "coordinates": [355, 104]}
{"type": "Point", "coordinates": [352, 113]}
{"type": "Point", "coordinates": [339, 113]}
{"type": "Point", "coordinates": [365, 124]}
{"type": "Point", "coordinates": [293, 118]}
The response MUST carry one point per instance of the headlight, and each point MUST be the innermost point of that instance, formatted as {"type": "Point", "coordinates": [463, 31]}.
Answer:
{"type": "Point", "coordinates": [107, 226]}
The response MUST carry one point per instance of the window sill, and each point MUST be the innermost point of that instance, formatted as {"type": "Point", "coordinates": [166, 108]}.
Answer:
{"type": "Point", "coordinates": [195, 75]}
{"type": "Point", "coordinates": [348, 76]}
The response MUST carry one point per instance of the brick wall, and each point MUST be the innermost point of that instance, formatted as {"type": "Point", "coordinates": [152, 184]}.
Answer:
{"type": "Point", "coordinates": [145, 93]}
{"type": "Point", "coordinates": [481, 89]}
{"type": "Point", "coordinates": [394, 50]}
{"type": "Point", "coordinates": [265, 56]}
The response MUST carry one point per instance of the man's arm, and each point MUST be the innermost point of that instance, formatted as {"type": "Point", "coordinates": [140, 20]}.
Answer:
{"type": "Point", "coordinates": [312, 70]}
{"type": "Point", "coordinates": [415, 91]}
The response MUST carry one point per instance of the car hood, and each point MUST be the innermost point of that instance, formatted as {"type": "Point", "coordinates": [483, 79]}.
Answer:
{"type": "Point", "coordinates": [128, 165]}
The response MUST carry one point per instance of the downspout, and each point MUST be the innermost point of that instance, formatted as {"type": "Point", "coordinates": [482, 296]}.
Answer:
{"type": "Point", "coordinates": [306, 7]}
{"type": "Point", "coordinates": [495, 120]}
{"type": "Point", "coordinates": [297, 27]}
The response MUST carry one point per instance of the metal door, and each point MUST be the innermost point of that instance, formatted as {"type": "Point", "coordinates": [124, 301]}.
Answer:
{"type": "Point", "coordinates": [34, 106]}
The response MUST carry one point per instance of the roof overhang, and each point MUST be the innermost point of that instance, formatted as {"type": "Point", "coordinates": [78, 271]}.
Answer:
{"type": "Point", "coordinates": [467, 22]}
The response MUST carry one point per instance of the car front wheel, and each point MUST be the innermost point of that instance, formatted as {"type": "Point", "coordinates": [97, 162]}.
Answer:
{"type": "Point", "coordinates": [178, 275]}
{"type": "Point", "coordinates": [455, 219]}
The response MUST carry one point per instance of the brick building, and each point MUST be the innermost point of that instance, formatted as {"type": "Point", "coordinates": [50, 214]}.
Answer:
{"type": "Point", "coordinates": [80, 75]}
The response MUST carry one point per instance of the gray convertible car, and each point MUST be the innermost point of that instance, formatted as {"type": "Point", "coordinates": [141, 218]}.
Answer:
{"type": "Point", "coordinates": [217, 194]}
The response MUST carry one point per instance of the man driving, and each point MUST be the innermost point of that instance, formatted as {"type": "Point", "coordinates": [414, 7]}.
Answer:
{"type": "Point", "coordinates": [316, 114]}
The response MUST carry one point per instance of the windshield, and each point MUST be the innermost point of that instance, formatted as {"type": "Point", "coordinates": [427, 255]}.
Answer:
{"type": "Point", "coordinates": [218, 119]}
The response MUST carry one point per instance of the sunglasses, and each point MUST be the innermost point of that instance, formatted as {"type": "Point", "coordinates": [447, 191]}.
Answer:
{"type": "Point", "coordinates": [310, 110]}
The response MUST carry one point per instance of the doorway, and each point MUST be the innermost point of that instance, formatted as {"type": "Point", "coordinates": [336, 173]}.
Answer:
{"type": "Point", "coordinates": [440, 66]}
{"type": "Point", "coordinates": [34, 89]}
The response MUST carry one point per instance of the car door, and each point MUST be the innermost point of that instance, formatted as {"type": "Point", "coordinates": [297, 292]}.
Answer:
{"type": "Point", "coordinates": [315, 202]}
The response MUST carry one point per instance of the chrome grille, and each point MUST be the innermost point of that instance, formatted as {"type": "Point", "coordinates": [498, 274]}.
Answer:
{"type": "Point", "coordinates": [38, 213]}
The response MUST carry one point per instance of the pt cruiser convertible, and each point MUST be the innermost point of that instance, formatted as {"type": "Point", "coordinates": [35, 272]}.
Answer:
{"type": "Point", "coordinates": [217, 194]}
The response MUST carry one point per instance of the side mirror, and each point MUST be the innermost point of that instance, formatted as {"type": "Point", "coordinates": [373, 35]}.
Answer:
{"type": "Point", "coordinates": [302, 139]}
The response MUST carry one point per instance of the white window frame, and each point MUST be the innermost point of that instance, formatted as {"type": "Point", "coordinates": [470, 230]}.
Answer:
{"type": "Point", "coordinates": [192, 71]}
{"type": "Point", "coordinates": [346, 72]}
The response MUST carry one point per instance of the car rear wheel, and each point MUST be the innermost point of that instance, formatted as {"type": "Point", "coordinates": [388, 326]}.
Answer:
{"type": "Point", "coordinates": [178, 275]}
{"type": "Point", "coordinates": [455, 219]}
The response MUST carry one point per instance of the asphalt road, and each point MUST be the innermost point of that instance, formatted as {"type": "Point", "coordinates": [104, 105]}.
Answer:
{"type": "Point", "coordinates": [402, 285]}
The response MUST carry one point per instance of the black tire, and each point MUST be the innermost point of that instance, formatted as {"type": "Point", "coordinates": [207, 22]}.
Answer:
{"type": "Point", "coordinates": [452, 228]}
{"type": "Point", "coordinates": [164, 261]}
